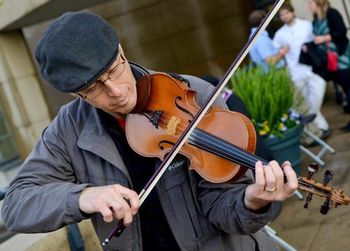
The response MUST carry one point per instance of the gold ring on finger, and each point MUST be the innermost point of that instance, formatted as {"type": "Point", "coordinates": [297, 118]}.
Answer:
{"type": "Point", "coordinates": [270, 189]}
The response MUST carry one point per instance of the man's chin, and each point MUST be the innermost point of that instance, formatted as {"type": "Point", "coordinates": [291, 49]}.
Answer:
{"type": "Point", "coordinates": [124, 110]}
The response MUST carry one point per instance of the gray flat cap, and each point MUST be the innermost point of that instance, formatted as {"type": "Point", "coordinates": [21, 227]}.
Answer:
{"type": "Point", "coordinates": [75, 50]}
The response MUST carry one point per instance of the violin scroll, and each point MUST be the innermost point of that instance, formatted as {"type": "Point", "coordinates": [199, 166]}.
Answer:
{"type": "Point", "coordinates": [334, 197]}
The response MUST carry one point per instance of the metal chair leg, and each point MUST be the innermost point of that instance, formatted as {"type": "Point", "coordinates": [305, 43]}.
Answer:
{"type": "Point", "coordinates": [324, 148]}
{"type": "Point", "coordinates": [299, 195]}
{"type": "Point", "coordinates": [273, 234]}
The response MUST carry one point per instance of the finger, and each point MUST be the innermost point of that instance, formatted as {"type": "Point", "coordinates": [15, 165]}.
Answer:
{"type": "Point", "coordinates": [279, 175]}
{"type": "Point", "coordinates": [286, 163]}
{"type": "Point", "coordinates": [292, 181]}
{"type": "Point", "coordinates": [131, 196]}
{"type": "Point", "coordinates": [121, 209]}
{"type": "Point", "coordinates": [259, 176]}
{"type": "Point", "coordinates": [127, 219]}
{"type": "Point", "coordinates": [107, 213]}
{"type": "Point", "coordinates": [269, 177]}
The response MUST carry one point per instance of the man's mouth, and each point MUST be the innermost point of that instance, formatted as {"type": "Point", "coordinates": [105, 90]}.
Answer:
{"type": "Point", "coordinates": [120, 103]}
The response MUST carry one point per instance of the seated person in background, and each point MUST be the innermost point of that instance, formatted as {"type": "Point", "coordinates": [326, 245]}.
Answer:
{"type": "Point", "coordinates": [293, 34]}
{"type": "Point", "coordinates": [264, 52]}
{"type": "Point", "coordinates": [330, 32]}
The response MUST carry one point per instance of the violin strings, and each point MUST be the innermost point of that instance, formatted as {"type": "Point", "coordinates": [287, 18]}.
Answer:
{"type": "Point", "coordinates": [224, 147]}
{"type": "Point", "coordinates": [301, 182]}
{"type": "Point", "coordinates": [222, 154]}
{"type": "Point", "coordinates": [229, 148]}
{"type": "Point", "coordinates": [250, 160]}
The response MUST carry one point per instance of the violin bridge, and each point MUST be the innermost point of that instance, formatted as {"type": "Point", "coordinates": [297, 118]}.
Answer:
{"type": "Point", "coordinates": [172, 125]}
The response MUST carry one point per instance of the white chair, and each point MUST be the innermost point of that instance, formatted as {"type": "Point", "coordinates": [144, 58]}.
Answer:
{"type": "Point", "coordinates": [324, 147]}
{"type": "Point", "coordinates": [310, 136]}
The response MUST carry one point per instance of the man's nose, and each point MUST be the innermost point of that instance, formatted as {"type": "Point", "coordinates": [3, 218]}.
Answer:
{"type": "Point", "coordinates": [113, 89]}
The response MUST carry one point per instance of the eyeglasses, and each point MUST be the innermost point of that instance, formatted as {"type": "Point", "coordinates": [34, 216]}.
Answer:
{"type": "Point", "coordinates": [99, 86]}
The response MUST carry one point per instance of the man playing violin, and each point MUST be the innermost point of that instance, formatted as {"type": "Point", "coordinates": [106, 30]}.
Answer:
{"type": "Point", "coordinates": [83, 167]}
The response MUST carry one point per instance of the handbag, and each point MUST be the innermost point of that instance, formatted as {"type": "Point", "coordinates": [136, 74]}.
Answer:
{"type": "Point", "coordinates": [332, 60]}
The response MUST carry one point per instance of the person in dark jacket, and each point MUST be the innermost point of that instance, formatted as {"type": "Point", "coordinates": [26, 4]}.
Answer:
{"type": "Point", "coordinates": [330, 33]}
{"type": "Point", "coordinates": [83, 166]}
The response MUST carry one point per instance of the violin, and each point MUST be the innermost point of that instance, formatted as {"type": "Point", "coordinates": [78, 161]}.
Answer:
{"type": "Point", "coordinates": [222, 137]}
{"type": "Point", "coordinates": [166, 112]}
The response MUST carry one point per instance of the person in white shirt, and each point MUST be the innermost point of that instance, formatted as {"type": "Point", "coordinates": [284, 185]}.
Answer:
{"type": "Point", "coordinates": [294, 33]}
{"type": "Point", "coordinates": [264, 53]}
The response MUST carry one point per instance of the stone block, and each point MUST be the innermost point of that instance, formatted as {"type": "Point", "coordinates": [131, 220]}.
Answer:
{"type": "Point", "coordinates": [32, 99]}
{"type": "Point", "coordinates": [16, 54]}
{"type": "Point", "coordinates": [4, 71]}
{"type": "Point", "coordinates": [118, 8]}
{"type": "Point", "coordinates": [157, 55]}
{"type": "Point", "coordinates": [21, 241]}
{"type": "Point", "coordinates": [51, 242]}
{"type": "Point", "coordinates": [38, 127]}
{"type": "Point", "coordinates": [11, 104]}
{"type": "Point", "coordinates": [27, 138]}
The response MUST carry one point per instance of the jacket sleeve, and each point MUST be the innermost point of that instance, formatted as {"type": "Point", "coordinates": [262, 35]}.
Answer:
{"type": "Point", "coordinates": [223, 205]}
{"type": "Point", "coordinates": [44, 196]}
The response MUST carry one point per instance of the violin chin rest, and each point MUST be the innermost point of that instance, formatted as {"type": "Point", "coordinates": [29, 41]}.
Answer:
{"type": "Point", "coordinates": [143, 87]}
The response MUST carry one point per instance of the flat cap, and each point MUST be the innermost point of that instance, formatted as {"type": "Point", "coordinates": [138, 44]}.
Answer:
{"type": "Point", "coordinates": [76, 50]}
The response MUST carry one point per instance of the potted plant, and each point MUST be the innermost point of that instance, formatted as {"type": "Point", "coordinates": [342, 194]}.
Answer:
{"type": "Point", "coordinates": [269, 98]}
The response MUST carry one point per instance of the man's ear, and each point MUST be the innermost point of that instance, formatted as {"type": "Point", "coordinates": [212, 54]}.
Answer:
{"type": "Point", "coordinates": [121, 49]}
{"type": "Point", "coordinates": [75, 95]}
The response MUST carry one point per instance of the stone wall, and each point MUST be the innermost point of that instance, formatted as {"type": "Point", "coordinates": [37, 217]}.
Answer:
{"type": "Point", "coordinates": [21, 95]}
{"type": "Point", "coordinates": [193, 36]}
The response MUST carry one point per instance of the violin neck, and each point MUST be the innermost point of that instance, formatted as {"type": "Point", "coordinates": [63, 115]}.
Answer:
{"type": "Point", "coordinates": [224, 149]}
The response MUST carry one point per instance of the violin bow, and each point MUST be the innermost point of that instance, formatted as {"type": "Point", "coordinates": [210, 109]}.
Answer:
{"type": "Point", "coordinates": [119, 227]}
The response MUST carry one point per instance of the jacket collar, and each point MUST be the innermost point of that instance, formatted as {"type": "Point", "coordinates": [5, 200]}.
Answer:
{"type": "Point", "coordinates": [94, 137]}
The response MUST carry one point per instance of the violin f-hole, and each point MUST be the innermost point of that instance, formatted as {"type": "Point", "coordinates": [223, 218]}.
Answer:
{"type": "Point", "coordinates": [178, 98]}
{"type": "Point", "coordinates": [163, 142]}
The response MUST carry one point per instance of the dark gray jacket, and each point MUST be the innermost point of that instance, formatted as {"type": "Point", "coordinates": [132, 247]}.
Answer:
{"type": "Point", "coordinates": [75, 151]}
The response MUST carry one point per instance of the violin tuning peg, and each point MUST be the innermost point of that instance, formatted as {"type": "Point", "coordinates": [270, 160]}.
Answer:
{"type": "Point", "coordinates": [312, 169]}
{"type": "Point", "coordinates": [308, 200]}
{"type": "Point", "coordinates": [328, 176]}
{"type": "Point", "coordinates": [325, 207]}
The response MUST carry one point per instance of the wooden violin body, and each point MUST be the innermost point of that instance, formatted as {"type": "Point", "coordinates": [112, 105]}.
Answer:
{"type": "Point", "coordinates": [169, 108]}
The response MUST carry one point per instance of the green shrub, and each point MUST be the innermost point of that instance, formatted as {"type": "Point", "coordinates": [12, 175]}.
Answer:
{"type": "Point", "coordinates": [268, 98]}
